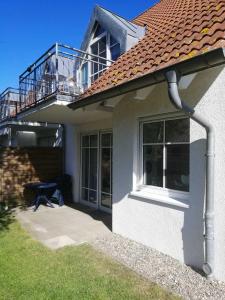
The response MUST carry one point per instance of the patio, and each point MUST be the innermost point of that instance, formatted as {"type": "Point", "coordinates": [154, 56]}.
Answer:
{"type": "Point", "coordinates": [62, 226]}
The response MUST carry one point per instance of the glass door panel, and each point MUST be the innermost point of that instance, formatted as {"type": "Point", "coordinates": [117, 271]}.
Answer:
{"type": "Point", "coordinates": [96, 167]}
{"type": "Point", "coordinates": [106, 170]}
{"type": "Point", "coordinates": [89, 161]}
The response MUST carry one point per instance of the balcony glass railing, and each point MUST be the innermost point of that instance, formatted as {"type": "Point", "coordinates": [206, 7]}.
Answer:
{"type": "Point", "coordinates": [9, 104]}
{"type": "Point", "coordinates": [60, 70]}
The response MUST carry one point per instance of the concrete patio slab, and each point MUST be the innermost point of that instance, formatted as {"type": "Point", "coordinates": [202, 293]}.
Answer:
{"type": "Point", "coordinates": [59, 242]}
{"type": "Point", "coordinates": [61, 226]}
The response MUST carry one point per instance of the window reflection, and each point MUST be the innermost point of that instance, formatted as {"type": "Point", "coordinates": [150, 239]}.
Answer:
{"type": "Point", "coordinates": [177, 131]}
{"type": "Point", "coordinates": [106, 170]}
{"type": "Point", "coordinates": [89, 182]}
{"type": "Point", "coordinates": [177, 171]}
{"type": "Point", "coordinates": [153, 165]}
{"type": "Point", "coordinates": [166, 154]}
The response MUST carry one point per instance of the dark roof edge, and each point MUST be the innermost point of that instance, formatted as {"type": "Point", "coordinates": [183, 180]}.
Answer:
{"type": "Point", "coordinates": [198, 63]}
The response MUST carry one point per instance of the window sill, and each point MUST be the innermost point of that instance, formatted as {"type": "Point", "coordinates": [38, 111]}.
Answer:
{"type": "Point", "coordinates": [162, 198]}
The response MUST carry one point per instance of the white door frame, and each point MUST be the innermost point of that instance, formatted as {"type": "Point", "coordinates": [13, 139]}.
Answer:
{"type": "Point", "coordinates": [101, 207]}
{"type": "Point", "coordinates": [96, 205]}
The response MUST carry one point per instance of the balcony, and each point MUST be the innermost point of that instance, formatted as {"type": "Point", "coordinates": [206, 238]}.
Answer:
{"type": "Point", "coordinates": [9, 104]}
{"type": "Point", "coordinates": [62, 73]}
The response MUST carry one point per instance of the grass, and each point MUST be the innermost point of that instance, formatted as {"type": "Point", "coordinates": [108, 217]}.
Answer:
{"type": "Point", "coordinates": [28, 270]}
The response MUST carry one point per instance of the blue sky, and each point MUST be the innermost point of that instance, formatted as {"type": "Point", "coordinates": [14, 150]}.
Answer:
{"type": "Point", "coordinates": [30, 27]}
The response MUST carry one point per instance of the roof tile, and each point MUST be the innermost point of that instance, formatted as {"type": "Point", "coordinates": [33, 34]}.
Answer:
{"type": "Point", "coordinates": [176, 30]}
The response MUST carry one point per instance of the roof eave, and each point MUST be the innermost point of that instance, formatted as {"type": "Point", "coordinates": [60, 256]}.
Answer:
{"type": "Point", "coordinates": [195, 64]}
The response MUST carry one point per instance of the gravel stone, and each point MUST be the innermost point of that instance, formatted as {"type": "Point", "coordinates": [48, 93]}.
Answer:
{"type": "Point", "coordinates": [161, 269]}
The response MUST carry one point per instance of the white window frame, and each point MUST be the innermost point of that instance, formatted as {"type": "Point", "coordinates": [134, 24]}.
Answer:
{"type": "Point", "coordinates": [108, 55]}
{"type": "Point", "coordinates": [91, 204]}
{"type": "Point", "coordinates": [102, 207]}
{"type": "Point", "coordinates": [92, 42]}
{"type": "Point", "coordinates": [96, 205]}
{"type": "Point", "coordinates": [155, 193]}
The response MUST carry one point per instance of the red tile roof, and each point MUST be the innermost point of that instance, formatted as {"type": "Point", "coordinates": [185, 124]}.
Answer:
{"type": "Point", "coordinates": [176, 30]}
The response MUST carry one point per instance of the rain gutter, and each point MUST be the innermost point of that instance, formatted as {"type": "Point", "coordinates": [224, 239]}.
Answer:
{"type": "Point", "coordinates": [195, 64]}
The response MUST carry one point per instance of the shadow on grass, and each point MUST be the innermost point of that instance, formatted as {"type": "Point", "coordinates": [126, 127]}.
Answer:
{"type": "Point", "coordinates": [6, 217]}
{"type": "Point", "coordinates": [7, 211]}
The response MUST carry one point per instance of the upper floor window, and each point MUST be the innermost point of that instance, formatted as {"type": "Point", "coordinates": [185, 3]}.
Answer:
{"type": "Point", "coordinates": [105, 48]}
{"type": "Point", "coordinates": [84, 75]}
{"type": "Point", "coordinates": [98, 30]}
{"type": "Point", "coordinates": [165, 154]}
{"type": "Point", "coordinates": [114, 49]}
{"type": "Point", "coordinates": [98, 48]}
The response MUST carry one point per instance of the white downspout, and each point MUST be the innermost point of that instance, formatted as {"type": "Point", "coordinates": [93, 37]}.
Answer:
{"type": "Point", "coordinates": [175, 99]}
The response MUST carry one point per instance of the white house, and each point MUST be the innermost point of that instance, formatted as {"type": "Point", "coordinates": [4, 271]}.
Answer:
{"type": "Point", "coordinates": [145, 134]}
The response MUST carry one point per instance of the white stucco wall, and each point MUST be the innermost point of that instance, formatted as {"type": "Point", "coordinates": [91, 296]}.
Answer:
{"type": "Point", "coordinates": [71, 152]}
{"type": "Point", "coordinates": [169, 228]}
{"type": "Point", "coordinates": [173, 230]}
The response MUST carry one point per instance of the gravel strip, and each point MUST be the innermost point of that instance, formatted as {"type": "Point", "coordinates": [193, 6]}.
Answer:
{"type": "Point", "coordinates": [160, 268]}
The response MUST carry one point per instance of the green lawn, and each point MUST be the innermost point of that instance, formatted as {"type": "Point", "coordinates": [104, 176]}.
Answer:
{"type": "Point", "coordinates": [28, 270]}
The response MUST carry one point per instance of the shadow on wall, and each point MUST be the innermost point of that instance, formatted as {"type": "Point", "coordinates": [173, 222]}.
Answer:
{"type": "Point", "coordinates": [200, 85]}
{"type": "Point", "coordinates": [193, 223]}
{"type": "Point", "coordinates": [193, 228]}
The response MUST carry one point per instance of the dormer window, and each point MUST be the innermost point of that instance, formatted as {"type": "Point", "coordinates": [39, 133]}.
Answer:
{"type": "Point", "coordinates": [105, 46]}
{"type": "Point", "coordinates": [104, 49]}
{"type": "Point", "coordinates": [84, 74]}
{"type": "Point", "coordinates": [99, 48]}
{"type": "Point", "coordinates": [114, 49]}
{"type": "Point", "coordinates": [98, 30]}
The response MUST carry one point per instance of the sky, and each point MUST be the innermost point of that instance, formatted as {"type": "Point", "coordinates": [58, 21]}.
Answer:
{"type": "Point", "coordinates": [29, 27]}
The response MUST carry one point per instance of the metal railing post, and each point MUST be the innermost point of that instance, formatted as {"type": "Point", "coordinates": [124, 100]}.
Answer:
{"type": "Point", "coordinates": [56, 66]}
{"type": "Point", "coordinates": [35, 86]}
{"type": "Point", "coordinates": [8, 106]}
{"type": "Point", "coordinates": [16, 110]}
{"type": "Point", "coordinates": [20, 94]}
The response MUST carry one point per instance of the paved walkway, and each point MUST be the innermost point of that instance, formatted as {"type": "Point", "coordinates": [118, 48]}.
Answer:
{"type": "Point", "coordinates": [62, 226]}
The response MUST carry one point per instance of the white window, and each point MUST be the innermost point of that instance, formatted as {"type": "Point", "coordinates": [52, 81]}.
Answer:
{"type": "Point", "coordinates": [98, 48]}
{"type": "Point", "coordinates": [165, 154]}
{"type": "Point", "coordinates": [114, 49]}
{"type": "Point", "coordinates": [106, 48]}
{"type": "Point", "coordinates": [84, 75]}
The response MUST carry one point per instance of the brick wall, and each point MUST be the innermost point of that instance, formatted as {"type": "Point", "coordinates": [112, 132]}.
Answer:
{"type": "Point", "coordinates": [19, 166]}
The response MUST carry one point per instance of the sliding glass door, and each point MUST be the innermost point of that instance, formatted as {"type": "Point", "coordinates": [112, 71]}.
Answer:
{"type": "Point", "coordinates": [96, 168]}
